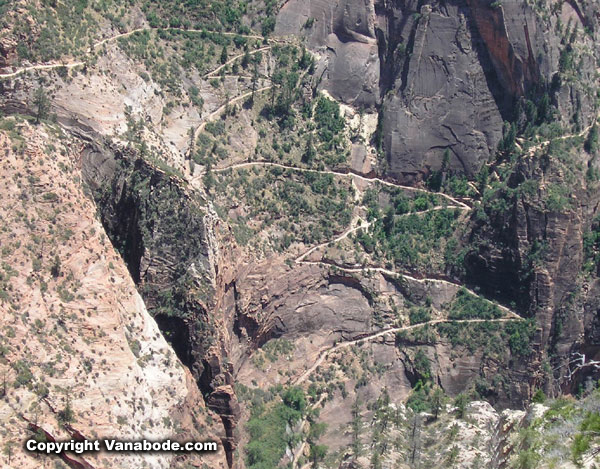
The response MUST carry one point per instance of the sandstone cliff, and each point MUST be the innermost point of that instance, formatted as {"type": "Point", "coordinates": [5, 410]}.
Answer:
{"type": "Point", "coordinates": [378, 206]}
{"type": "Point", "coordinates": [81, 357]}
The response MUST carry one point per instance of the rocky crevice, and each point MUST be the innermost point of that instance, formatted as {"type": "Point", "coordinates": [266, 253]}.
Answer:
{"type": "Point", "coordinates": [166, 238]}
{"type": "Point", "coordinates": [516, 74]}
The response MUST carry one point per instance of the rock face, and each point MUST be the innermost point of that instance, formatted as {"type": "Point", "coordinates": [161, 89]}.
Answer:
{"type": "Point", "coordinates": [551, 288]}
{"type": "Point", "coordinates": [446, 75]}
{"type": "Point", "coordinates": [343, 33]}
{"type": "Point", "coordinates": [443, 79]}
{"type": "Point", "coordinates": [417, 80]}
{"type": "Point", "coordinates": [166, 237]}
{"type": "Point", "coordinates": [162, 234]}
{"type": "Point", "coordinates": [509, 44]}
{"type": "Point", "coordinates": [81, 356]}
{"type": "Point", "coordinates": [449, 75]}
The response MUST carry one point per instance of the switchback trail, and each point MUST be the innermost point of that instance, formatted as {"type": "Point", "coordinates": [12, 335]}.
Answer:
{"type": "Point", "coordinates": [81, 63]}
{"type": "Point", "coordinates": [220, 109]}
{"type": "Point", "coordinates": [49, 66]}
{"type": "Point", "coordinates": [191, 30]}
{"type": "Point", "coordinates": [324, 353]}
{"type": "Point", "coordinates": [461, 205]}
{"type": "Point", "coordinates": [233, 59]}
{"type": "Point", "coordinates": [353, 228]}
{"type": "Point", "coordinates": [358, 270]}
{"type": "Point", "coordinates": [364, 225]}
{"type": "Point", "coordinates": [531, 151]}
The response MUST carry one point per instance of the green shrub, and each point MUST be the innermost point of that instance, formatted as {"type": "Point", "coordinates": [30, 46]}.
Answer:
{"type": "Point", "coordinates": [468, 306]}
{"type": "Point", "coordinates": [591, 143]}
{"type": "Point", "coordinates": [589, 429]}
{"type": "Point", "coordinates": [422, 366]}
{"type": "Point", "coordinates": [461, 402]}
{"type": "Point", "coordinates": [418, 400]}
{"type": "Point", "coordinates": [538, 397]}
{"type": "Point", "coordinates": [24, 374]}
{"type": "Point", "coordinates": [419, 315]}
{"type": "Point", "coordinates": [267, 429]}
{"type": "Point", "coordinates": [520, 335]}
{"type": "Point", "coordinates": [328, 118]}
{"type": "Point", "coordinates": [216, 128]}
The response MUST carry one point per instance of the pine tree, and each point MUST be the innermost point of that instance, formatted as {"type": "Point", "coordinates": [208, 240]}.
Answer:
{"type": "Point", "coordinates": [591, 144]}
{"type": "Point", "coordinates": [246, 59]}
{"type": "Point", "coordinates": [310, 152]}
{"type": "Point", "coordinates": [255, 76]}
{"type": "Point", "coordinates": [209, 178]}
{"type": "Point", "coordinates": [8, 450]}
{"type": "Point", "coordinates": [415, 453]}
{"type": "Point", "coordinates": [42, 104]}
{"type": "Point", "coordinates": [55, 269]}
{"type": "Point", "coordinates": [67, 415]}
{"type": "Point", "coordinates": [356, 427]}
{"type": "Point", "coordinates": [437, 401]}
{"type": "Point", "coordinates": [317, 454]}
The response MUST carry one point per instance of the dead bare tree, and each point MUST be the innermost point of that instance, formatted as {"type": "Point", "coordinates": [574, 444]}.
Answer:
{"type": "Point", "coordinates": [578, 362]}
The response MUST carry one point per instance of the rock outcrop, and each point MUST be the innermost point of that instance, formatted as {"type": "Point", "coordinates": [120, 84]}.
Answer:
{"type": "Point", "coordinates": [343, 35]}
{"type": "Point", "coordinates": [446, 75]}
{"type": "Point", "coordinates": [81, 356]}
{"type": "Point", "coordinates": [444, 79]}
{"type": "Point", "coordinates": [221, 275]}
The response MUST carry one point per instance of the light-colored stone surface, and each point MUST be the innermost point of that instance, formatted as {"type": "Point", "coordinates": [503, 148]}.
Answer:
{"type": "Point", "coordinates": [84, 335]}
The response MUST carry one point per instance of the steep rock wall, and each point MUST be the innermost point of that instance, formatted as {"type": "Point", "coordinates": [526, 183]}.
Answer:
{"type": "Point", "coordinates": [444, 74]}
{"type": "Point", "coordinates": [81, 356]}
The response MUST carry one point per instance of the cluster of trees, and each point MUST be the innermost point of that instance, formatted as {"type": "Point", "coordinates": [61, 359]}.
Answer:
{"type": "Point", "coordinates": [533, 115]}
{"type": "Point", "coordinates": [199, 50]}
{"type": "Point", "coordinates": [42, 104]}
{"type": "Point", "coordinates": [567, 60]}
{"type": "Point", "coordinates": [591, 143]}
{"type": "Point", "coordinates": [286, 80]}
{"type": "Point", "coordinates": [494, 338]}
{"type": "Point", "coordinates": [164, 68]}
{"type": "Point", "coordinates": [401, 234]}
{"type": "Point", "coordinates": [317, 452]}
{"type": "Point", "coordinates": [468, 306]}
{"type": "Point", "coordinates": [196, 14]}
{"type": "Point", "coordinates": [520, 337]}
{"type": "Point", "coordinates": [410, 241]}
{"type": "Point", "coordinates": [385, 417]}
{"type": "Point", "coordinates": [57, 29]}
{"type": "Point", "coordinates": [267, 428]}
{"type": "Point", "coordinates": [328, 118]}
{"type": "Point", "coordinates": [591, 247]}
{"type": "Point", "coordinates": [277, 347]}
{"type": "Point", "coordinates": [309, 207]}
{"type": "Point", "coordinates": [283, 94]}
{"type": "Point", "coordinates": [476, 336]}
{"type": "Point", "coordinates": [65, 28]}
{"type": "Point", "coordinates": [589, 430]}
{"type": "Point", "coordinates": [419, 314]}
{"type": "Point", "coordinates": [268, 22]}
{"type": "Point", "coordinates": [425, 396]}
